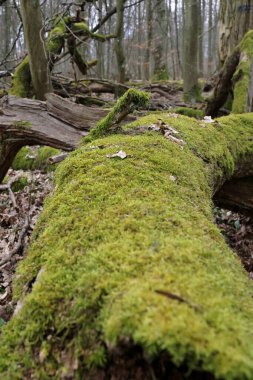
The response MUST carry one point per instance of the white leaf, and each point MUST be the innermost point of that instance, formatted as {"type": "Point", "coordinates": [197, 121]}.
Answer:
{"type": "Point", "coordinates": [121, 154]}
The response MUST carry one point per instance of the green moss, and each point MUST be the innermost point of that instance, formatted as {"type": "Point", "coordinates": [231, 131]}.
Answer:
{"type": "Point", "coordinates": [191, 112]}
{"type": "Point", "coordinates": [28, 159]}
{"type": "Point", "coordinates": [80, 28]}
{"type": "Point", "coordinates": [22, 81]}
{"type": "Point", "coordinates": [131, 100]}
{"type": "Point", "coordinates": [194, 95]}
{"type": "Point", "coordinates": [161, 75]}
{"type": "Point", "coordinates": [241, 77]}
{"type": "Point", "coordinates": [114, 232]}
{"type": "Point", "coordinates": [19, 184]}
{"type": "Point", "coordinates": [55, 41]}
{"type": "Point", "coordinates": [23, 124]}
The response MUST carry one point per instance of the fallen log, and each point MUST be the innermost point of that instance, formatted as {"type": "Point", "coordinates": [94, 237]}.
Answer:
{"type": "Point", "coordinates": [58, 123]}
{"type": "Point", "coordinates": [127, 276]}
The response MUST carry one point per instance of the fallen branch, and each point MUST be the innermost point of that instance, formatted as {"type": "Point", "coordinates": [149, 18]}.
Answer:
{"type": "Point", "coordinates": [58, 158]}
{"type": "Point", "coordinates": [7, 187]}
{"type": "Point", "coordinates": [178, 298]}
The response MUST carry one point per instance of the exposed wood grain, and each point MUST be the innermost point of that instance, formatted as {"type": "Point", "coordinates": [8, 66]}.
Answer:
{"type": "Point", "coordinates": [57, 122]}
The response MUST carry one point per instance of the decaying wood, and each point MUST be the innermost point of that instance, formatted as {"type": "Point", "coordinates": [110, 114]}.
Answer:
{"type": "Point", "coordinates": [57, 122]}
{"type": "Point", "coordinates": [58, 158]}
{"type": "Point", "coordinates": [67, 86]}
{"type": "Point", "coordinates": [236, 195]}
{"type": "Point", "coordinates": [224, 84]}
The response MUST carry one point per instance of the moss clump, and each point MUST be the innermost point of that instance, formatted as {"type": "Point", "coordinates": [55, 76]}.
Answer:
{"type": "Point", "coordinates": [19, 184]}
{"type": "Point", "coordinates": [28, 159]}
{"type": "Point", "coordinates": [242, 75]}
{"type": "Point", "coordinates": [55, 41]}
{"type": "Point", "coordinates": [191, 112]}
{"type": "Point", "coordinates": [80, 28]}
{"type": "Point", "coordinates": [127, 103]}
{"type": "Point", "coordinates": [115, 232]}
{"type": "Point", "coordinates": [193, 95]}
{"type": "Point", "coordinates": [22, 81]}
{"type": "Point", "coordinates": [23, 124]}
{"type": "Point", "coordinates": [161, 75]}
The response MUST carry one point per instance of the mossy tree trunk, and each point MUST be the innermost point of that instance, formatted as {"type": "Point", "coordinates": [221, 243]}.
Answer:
{"type": "Point", "coordinates": [236, 18]}
{"type": "Point", "coordinates": [38, 60]}
{"type": "Point", "coordinates": [236, 78]}
{"type": "Point", "coordinates": [131, 278]}
{"type": "Point", "coordinates": [58, 122]}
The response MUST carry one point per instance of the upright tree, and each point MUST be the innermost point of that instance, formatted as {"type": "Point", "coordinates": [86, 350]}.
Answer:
{"type": "Point", "coordinates": [119, 41]}
{"type": "Point", "coordinates": [32, 22]}
{"type": "Point", "coordinates": [149, 30]}
{"type": "Point", "coordinates": [190, 62]}
{"type": "Point", "coordinates": [160, 39]}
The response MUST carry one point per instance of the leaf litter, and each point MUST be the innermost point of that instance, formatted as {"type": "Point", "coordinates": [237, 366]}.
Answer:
{"type": "Point", "coordinates": [18, 217]}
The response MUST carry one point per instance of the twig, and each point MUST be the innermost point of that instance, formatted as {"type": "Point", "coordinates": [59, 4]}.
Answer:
{"type": "Point", "coordinates": [15, 250]}
{"type": "Point", "coordinates": [178, 298]}
{"type": "Point", "coordinates": [13, 46]}
{"type": "Point", "coordinates": [7, 186]}
{"type": "Point", "coordinates": [58, 158]}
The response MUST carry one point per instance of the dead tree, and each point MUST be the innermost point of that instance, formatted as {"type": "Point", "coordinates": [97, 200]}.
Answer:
{"type": "Point", "coordinates": [57, 122]}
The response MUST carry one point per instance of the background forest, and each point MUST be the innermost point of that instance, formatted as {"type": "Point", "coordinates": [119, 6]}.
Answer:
{"type": "Point", "coordinates": [152, 36]}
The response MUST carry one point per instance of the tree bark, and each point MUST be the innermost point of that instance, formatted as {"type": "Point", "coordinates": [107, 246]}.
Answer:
{"type": "Point", "coordinates": [58, 123]}
{"type": "Point", "coordinates": [119, 42]}
{"type": "Point", "coordinates": [149, 34]}
{"type": "Point", "coordinates": [236, 195]}
{"type": "Point", "coordinates": [190, 70]}
{"type": "Point", "coordinates": [224, 84]}
{"type": "Point", "coordinates": [236, 18]}
{"type": "Point", "coordinates": [32, 22]}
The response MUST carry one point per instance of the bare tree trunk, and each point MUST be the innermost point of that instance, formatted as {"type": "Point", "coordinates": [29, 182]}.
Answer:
{"type": "Point", "coordinates": [100, 47]}
{"type": "Point", "coordinates": [149, 29]}
{"type": "Point", "coordinates": [119, 41]}
{"type": "Point", "coordinates": [160, 32]}
{"type": "Point", "coordinates": [200, 40]}
{"type": "Point", "coordinates": [179, 64]}
{"type": "Point", "coordinates": [210, 45]}
{"type": "Point", "coordinates": [190, 72]}
{"type": "Point", "coordinates": [38, 62]}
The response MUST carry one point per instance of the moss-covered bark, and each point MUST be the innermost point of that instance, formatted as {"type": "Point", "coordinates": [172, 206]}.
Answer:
{"type": "Point", "coordinates": [22, 80]}
{"type": "Point", "coordinates": [242, 78]}
{"type": "Point", "coordinates": [64, 29]}
{"type": "Point", "coordinates": [235, 77]}
{"type": "Point", "coordinates": [116, 240]}
{"type": "Point", "coordinates": [28, 159]}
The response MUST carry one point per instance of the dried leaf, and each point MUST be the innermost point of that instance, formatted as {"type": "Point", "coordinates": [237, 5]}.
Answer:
{"type": "Point", "coordinates": [121, 154]}
{"type": "Point", "coordinates": [208, 119]}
